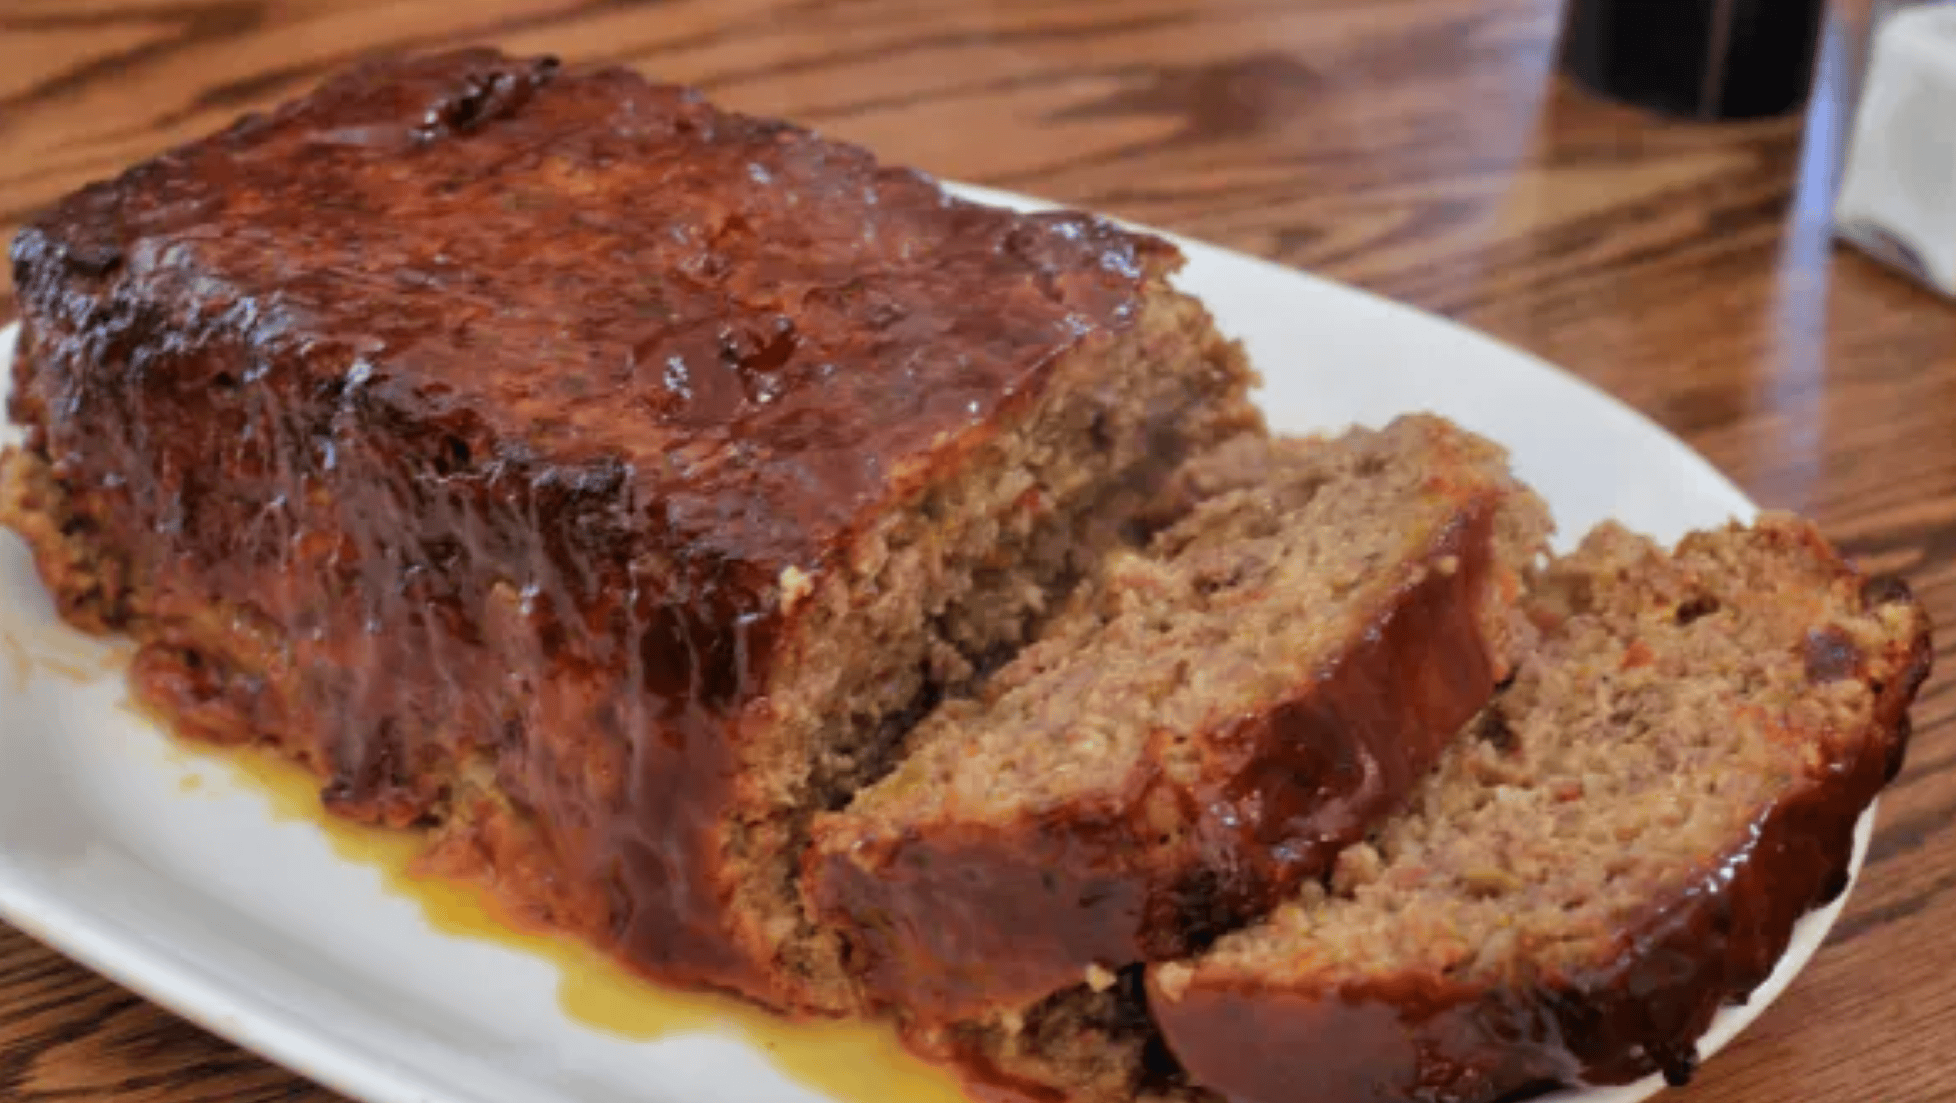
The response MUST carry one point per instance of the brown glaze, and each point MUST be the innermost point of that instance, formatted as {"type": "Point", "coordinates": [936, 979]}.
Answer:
{"type": "Point", "coordinates": [949, 920]}
{"type": "Point", "coordinates": [1427, 1039]}
{"type": "Point", "coordinates": [1422, 150]}
{"type": "Point", "coordinates": [486, 402]}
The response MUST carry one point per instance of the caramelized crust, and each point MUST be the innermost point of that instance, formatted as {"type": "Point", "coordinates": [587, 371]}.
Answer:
{"type": "Point", "coordinates": [600, 478]}
{"type": "Point", "coordinates": [606, 486]}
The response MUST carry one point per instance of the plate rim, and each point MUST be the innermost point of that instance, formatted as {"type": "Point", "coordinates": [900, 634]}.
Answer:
{"type": "Point", "coordinates": [313, 1051]}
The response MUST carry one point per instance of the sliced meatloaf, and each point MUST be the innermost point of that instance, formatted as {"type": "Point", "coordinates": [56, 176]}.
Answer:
{"type": "Point", "coordinates": [1620, 845]}
{"type": "Point", "coordinates": [1200, 732]}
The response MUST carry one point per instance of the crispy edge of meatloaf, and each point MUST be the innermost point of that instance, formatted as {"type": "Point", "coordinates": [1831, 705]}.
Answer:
{"type": "Point", "coordinates": [1173, 756]}
{"type": "Point", "coordinates": [1621, 845]}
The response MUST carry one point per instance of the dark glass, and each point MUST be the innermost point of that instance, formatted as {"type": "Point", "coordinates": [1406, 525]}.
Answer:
{"type": "Point", "coordinates": [1705, 59]}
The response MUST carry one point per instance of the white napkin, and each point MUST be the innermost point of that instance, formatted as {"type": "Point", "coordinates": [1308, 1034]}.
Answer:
{"type": "Point", "coordinates": [1898, 191]}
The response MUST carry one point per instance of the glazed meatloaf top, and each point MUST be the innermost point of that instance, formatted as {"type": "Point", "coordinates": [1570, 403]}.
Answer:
{"type": "Point", "coordinates": [769, 329]}
{"type": "Point", "coordinates": [472, 416]}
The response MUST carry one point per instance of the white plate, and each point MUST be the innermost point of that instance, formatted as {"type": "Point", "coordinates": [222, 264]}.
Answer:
{"type": "Point", "coordinates": [253, 928]}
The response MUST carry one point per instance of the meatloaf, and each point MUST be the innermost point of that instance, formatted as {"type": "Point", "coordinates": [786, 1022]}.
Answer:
{"type": "Point", "coordinates": [1620, 844]}
{"type": "Point", "coordinates": [1197, 734]}
{"type": "Point", "coordinates": [597, 480]}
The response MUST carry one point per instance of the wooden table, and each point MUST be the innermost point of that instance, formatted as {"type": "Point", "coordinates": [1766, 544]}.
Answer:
{"type": "Point", "coordinates": [1420, 148]}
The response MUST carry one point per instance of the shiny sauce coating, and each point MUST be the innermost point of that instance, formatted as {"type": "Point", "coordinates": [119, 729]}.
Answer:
{"type": "Point", "coordinates": [459, 419]}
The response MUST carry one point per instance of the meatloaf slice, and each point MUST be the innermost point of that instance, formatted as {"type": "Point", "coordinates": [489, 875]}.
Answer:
{"type": "Point", "coordinates": [1204, 730]}
{"type": "Point", "coordinates": [594, 478]}
{"type": "Point", "coordinates": [1621, 845]}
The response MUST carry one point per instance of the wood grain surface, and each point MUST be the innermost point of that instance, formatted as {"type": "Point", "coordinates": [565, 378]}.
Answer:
{"type": "Point", "coordinates": [1420, 148]}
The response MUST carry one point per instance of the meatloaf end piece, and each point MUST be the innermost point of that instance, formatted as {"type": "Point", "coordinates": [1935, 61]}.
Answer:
{"type": "Point", "coordinates": [1621, 845]}
{"type": "Point", "coordinates": [596, 479]}
{"type": "Point", "coordinates": [1197, 734]}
